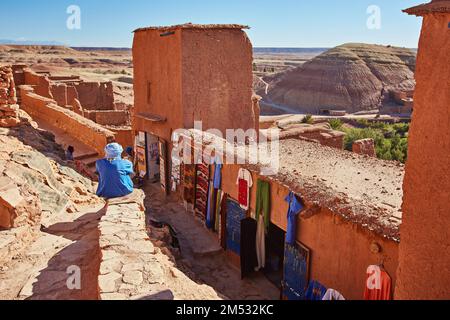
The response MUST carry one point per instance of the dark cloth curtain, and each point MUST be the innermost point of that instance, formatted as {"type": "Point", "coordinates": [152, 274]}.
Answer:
{"type": "Point", "coordinates": [248, 247]}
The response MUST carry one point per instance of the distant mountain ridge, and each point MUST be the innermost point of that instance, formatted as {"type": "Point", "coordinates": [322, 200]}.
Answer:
{"type": "Point", "coordinates": [30, 43]}
{"type": "Point", "coordinates": [288, 50]}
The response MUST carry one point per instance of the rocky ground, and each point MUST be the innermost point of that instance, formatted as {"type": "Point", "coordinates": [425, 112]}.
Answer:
{"type": "Point", "coordinates": [62, 214]}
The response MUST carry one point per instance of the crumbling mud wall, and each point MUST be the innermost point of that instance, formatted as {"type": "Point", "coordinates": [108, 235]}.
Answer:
{"type": "Point", "coordinates": [109, 117]}
{"type": "Point", "coordinates": [9, 109]}
{"type": "Point", "coordinates": [424, 251]}
{"type": "Point", "coordinates": [88, 132]}
{"type": "Point", "coordinates": [217, 79]}
{"type": "Point", "coordinates": [364, 147]}
{"type": "Point", "coordinates": [40, 83]}
{"type": "Point", "coordinates": [96, 95]}
{"type": "Point", "coordinates": [341, 251]}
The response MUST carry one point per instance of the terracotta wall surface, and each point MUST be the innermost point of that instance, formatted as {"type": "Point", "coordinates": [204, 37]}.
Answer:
{"type": "Point", "coordinates": [112, 118]}
{"type": "Point", "coordinates": [72, 94]}
{"type": "Point", "coordinates": [157, 82]}
{"type": "Point", "coordinates": [340, 251]}
{"type": "Point", "coordinates": [424, 251]}
{"type": "Point", "coordinates": [77, 126]}
{"type": "Point", "coordinates": [217, 79]}
{"type": "Point", "coordinates": [125, 137]}
{"type": "Point", "coordinates": [59, 93]}
{"type": "Point", "coordinates": [40, 82]}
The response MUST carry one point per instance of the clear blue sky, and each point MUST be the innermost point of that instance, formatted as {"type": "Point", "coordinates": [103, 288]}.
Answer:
{"type": "Point", "coordinates": [274, 23]}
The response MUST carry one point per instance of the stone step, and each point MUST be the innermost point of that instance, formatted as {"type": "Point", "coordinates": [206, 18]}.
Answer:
{"type": "Point", "coordinates": [90, 162]}
{"type": "Point", "coordinates": [87, 156]}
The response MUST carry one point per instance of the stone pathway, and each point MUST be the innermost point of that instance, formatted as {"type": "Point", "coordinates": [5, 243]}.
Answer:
{"type": "Point", "coordinates": [40, 272]}
{"type": "Point", "coordinates": [131, 266]}
{"type": "Point", "coordinates": [200, 257]}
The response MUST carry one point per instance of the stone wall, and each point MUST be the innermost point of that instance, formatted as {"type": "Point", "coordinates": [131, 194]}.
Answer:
{"type": "Point", "coordinates": [321, 133]}
{"type": "Point", "coordinates": [131, 267]}
{"type": "Point", "coordinates": [364, 147]}
{"type": "Point", "coordinates": [125, 248]}
{"type": "Point", "coordinates": [9, 109]}
{"type": "Point", "coordinates": [88, 132]}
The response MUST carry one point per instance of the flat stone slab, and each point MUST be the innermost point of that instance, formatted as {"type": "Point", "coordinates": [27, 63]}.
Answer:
{"type": "Point", "coordinates": [108, 283]}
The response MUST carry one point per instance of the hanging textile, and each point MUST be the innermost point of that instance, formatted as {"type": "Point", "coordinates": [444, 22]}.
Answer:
{"type": "Point", "coordinates": [235, 215]}
{"type": "Point", "coordinates": [378, 285]}
{"type": "Point", "coordinates": [263, 221]}
{"type": "Point", "coordinates": [189, 183]}
{"type": "Point", "coordinates": [294, 209]}
{"type": "Point", "coordinates": [223, 222]}
{"type": "Point", "coordinates": [217, 175]}
{"type": "Point", "coordinates": [295, 271]}
{"type": "Point", "coordinates": [244, 183]}
{"type": "Point", "coordinates": [210, 215]}
{"type": "Point", "coordinates": [260, 240]}
{"type": "Point", "coordinates": [248, 247]}
{"type": "Point", "coordinates": [316, 291]}
{"type": "Point", "coordinates": [217, 211]}
{"type": "Point", "coordinates": [263, 202]}
{"type": "Point", "coordinates": [201, 190]}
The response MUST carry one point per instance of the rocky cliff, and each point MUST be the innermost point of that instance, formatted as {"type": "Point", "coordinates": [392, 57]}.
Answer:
{"type": "Point", "coordinates": [352, 77]}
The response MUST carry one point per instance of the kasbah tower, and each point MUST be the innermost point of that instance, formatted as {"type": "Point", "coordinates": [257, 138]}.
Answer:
{"type": "Point", "coordinates": [424, 257]}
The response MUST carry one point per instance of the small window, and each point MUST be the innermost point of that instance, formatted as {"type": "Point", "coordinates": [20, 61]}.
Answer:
{"type": "Point", "coordinates": [149, 92]}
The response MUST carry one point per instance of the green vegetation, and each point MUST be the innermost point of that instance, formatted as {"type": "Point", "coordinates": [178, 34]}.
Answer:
{"type": "Point", "coordinates": [336, 124]}
{"type": "Point", "coordinates": [391, 140]}
{"type": "Point", "coordinates": [308, 119]}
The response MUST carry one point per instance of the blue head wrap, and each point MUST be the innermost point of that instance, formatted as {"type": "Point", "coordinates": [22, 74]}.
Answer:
{"type": "Point", "coordinates": [113, 150]}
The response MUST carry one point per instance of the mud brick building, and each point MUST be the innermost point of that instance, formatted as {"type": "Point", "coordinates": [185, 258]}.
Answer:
{"type": "Point", "coordinates": [188, 73]}
{"type": "Point", "coordinates": [424, 251]}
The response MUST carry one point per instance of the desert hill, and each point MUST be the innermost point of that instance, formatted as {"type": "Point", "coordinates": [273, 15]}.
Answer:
{"type": "Point", "coordinates": [352, 77]}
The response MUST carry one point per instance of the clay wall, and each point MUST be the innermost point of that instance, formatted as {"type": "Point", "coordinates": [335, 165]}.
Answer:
{"type": "Point", "coordinates": [124, 137]}
{"type": "Point", "coordinates": [112, 118]}
{"type": "Point", "coordinates": [424, 251]}
{"type": "Point", "coordinates": [77, 126]}
{"type": "Point", "coordinates": [217, 79]}
{"type": "Point", "coordinates": [59, 93]}
{"type": "Point", "coordinates": [340, 250]}
{"type": "Point", "coordinates": [157, 82]}
{"type": "Point", "coordinates": [95, 95]}
{"type": "Point", "coordinates": [40, 83]}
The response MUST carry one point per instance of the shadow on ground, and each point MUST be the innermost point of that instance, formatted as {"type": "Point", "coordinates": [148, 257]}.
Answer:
{"type": "Point", "coordinates": [82, 253]}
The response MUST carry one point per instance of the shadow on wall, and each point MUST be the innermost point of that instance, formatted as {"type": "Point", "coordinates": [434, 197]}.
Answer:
{"type": "Point", "coordinates": [83, 253]}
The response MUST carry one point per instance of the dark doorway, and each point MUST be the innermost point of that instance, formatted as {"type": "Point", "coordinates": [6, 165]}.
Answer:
{"type": "Point", "coordinates": [275, 255]}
